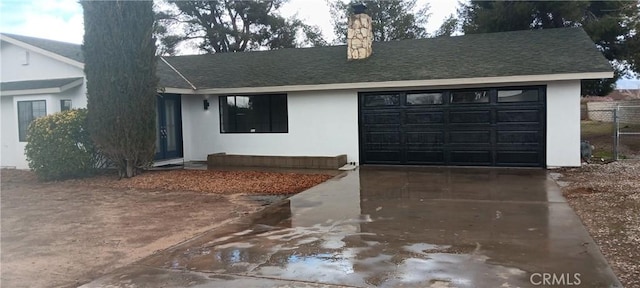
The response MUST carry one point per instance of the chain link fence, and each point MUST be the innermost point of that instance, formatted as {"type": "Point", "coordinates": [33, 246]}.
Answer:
{"type": "Point", "coordinates": [612, 130]}
{"type": "Point", "coordinates": [626, 120]}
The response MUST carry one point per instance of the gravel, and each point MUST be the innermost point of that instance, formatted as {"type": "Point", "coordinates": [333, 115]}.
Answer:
{"type": "Point", "coordinates": [607, 199]}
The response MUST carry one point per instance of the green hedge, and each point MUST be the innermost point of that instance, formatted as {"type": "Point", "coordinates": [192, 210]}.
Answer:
{"type": "Point", "coordinates": [59, 146]}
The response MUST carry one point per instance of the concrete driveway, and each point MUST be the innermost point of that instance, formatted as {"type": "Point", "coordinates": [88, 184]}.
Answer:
{"type": "Point", "coordinates": [393, 227]}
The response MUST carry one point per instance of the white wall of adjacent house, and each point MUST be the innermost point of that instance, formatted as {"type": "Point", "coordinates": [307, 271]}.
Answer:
{"type": "Point", "coordinates": [321, 123]}
{"type": "Point", "coordinates": [9, 135]}
{"type": "Point", "coordinates": [563, 124]}
{"type": "Point", "coordinates": [15, 66]}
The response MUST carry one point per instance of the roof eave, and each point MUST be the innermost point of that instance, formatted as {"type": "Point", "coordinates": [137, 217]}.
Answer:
{"type": "Point", "coordinates": [50, 90]}
{"type": "Point", "coordinates": [174, 90]}
{"type": "Point", "coordinates": [409, 83]}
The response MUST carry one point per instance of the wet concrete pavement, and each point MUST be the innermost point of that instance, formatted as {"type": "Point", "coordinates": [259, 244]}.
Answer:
{"type": "Point", "coordinates": [393, 227]}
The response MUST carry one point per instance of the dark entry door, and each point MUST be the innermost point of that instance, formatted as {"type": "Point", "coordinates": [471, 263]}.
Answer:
{"type": "Point", "coordinates": [169, 127]}
{"type": "Point", "coordinates": [470, 127]}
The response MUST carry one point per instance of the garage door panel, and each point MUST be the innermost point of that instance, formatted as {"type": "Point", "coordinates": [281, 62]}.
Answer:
{"type": "Point", "coordinates": [510, 116]}
{"type": "Point", "coordinates": [425, 157]}
{"type": "Point", "coordinates": [518, 158]}
{"type": "Point", "coordinates": [470, 157]}
{"type": "Point", "coordinates": [518, 137]}
{"type": "Point", "coordinates": [470, 117]}
{"type": "Point", "coordinates": [383, 156]}
{"type": "Point", "coordinates": [424, 139]}
{"type": "Point", "coordinates": [470, 137]}
{"type": "Point", "coordinates": [426, 117]}
{"type": "Point", "coordinates": [375, 138]}
{"type": "Point", "coordinates": [382, 118]}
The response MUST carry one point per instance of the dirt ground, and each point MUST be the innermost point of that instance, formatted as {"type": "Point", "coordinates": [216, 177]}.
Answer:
{"type": "Point", "coordinates": [607, 199]}
{"type": "Point", "coordinates": [61, 234]}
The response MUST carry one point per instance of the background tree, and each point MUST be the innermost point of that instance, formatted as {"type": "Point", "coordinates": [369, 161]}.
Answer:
{"type": "Point", "coordinates": [448, 27]}
{"type": "Point", "coordinates": [608, 23]}
{"type": "Point", "coordinates": [392, 19]}
{"type": "Point", "coordinates": [120, 66]}
{"type": "Point", "coordinates": [231, 26]}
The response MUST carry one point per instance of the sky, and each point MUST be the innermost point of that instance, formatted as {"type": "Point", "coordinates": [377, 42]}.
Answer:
{"type": "Point", "coordinates": [62, 19]}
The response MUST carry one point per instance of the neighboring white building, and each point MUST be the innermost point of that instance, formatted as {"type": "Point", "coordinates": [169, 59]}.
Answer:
{"type": "Point", "coordinates": [499, 99]}
{"type": "Point", "coordinates": [35, 82]}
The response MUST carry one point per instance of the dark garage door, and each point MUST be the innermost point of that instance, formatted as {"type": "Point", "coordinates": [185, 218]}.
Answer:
{"type": "Point", "coordinates": [480, 127]}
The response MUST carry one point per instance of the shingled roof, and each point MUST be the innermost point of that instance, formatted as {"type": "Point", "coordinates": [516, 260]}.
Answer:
{"type": "Point", "coordinates": [538, 52]}
{"type": "Point", "coordinates": [37, 84]}
{"type": "Point", "coordinates": [516, 53]}
{"type": "Point", "coordinates": [69, 50]}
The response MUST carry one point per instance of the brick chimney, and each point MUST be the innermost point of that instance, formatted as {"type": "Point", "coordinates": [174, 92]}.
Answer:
{"type": "Point", "coordinates": [359, 34]}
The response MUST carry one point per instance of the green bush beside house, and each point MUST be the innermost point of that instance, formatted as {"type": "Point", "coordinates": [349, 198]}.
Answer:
{"type": "Point", "coordinates": [60, 147]}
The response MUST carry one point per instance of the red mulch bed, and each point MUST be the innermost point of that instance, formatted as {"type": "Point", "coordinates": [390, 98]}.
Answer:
{"type": "Point", "coordinates": [210, 181]}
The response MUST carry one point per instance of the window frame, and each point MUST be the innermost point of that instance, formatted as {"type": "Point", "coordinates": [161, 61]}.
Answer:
{"type": "Point", "coordinates": [452, 92]}
{"type": "Point", "coordinates": [62, 101]}
{"type": "Point", "coordinates": [377, 94]}
{"type": "Point", "coordinates": [23, 138]}
{"type": "Point", "coordinates": [443, 98]}
{"type": "Point", "coordinates": [525, 88]}
{"type": "Point", "coordinates": [222, 100]}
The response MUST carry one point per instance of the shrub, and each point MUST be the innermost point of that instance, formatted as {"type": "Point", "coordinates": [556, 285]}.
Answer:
{"type": "Point", "coordinates": [59, 146]}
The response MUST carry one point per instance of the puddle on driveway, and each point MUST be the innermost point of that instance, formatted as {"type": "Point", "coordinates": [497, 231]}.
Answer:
{"type": "Point", "coordinates": [405, 227]}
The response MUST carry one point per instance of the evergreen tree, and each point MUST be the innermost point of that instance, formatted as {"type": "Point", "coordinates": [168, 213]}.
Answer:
{"type": "Point", "coordinates": [120, 66]}
{"type": "Point", "coordinates": [610, 24]}
{"type": "Point", "coordinates": [231, 26]}
{"type": "Point", "coordinates": [391, 19]}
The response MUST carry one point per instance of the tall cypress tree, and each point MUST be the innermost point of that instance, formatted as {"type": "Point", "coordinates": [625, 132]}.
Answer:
{"type": "Point", "coordinates": [120, 66]}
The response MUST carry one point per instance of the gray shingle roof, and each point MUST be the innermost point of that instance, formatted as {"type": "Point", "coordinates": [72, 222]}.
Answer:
{"type": "Point", "coordinates": [69, 50]}
{"type": "Point", "coordinates": [538, 52]}
{"type": "Point", "coordinates": [37, 84]}
{"type": "Point", "coordinates": [169, 78]}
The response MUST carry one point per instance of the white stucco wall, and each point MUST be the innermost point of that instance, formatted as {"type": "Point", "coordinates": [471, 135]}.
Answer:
{"type": "Point", "coordinates": [563, 124]}
{"type": "Point", "coordinates": [39, 67]}
{"type": "Point", "coordinates": [9, 132]}
{"type": "Point", "coordinates": [323, 123]}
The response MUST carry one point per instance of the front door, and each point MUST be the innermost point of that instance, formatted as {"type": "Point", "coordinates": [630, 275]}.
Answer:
{"type": "Point", "coordinates": [169, 127]}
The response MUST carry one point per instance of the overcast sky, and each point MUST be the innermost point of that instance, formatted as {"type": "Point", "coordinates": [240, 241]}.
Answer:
{"type": "Point", "coordinates": [62, 19]}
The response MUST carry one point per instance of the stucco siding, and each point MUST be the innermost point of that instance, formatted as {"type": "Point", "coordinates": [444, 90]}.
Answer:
{"type": "Point", "coordinates": [322, 123]}
{"type": "Point", "coordinates": [39, 66]}
{"type": "Point", "coordinates": [9, 135]}
{"type": "Point", "coordinates": [563, 124]}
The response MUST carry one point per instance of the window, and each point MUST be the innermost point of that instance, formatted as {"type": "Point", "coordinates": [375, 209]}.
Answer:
{"type": "Point", "coordinates": [254, 114]}
{"type": "Point", "coordinates": [528, 95]}
{"type": "Point", "coordinates": [65, 105]}
{"type": "Point", "coordinates": [424, 99]}
{"type": "Point", "coordinates": [478, 96]}
{"type": "Point", "coordinates": [27, 112]}
{"type": "Point", "coordinates": [382, 100]}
